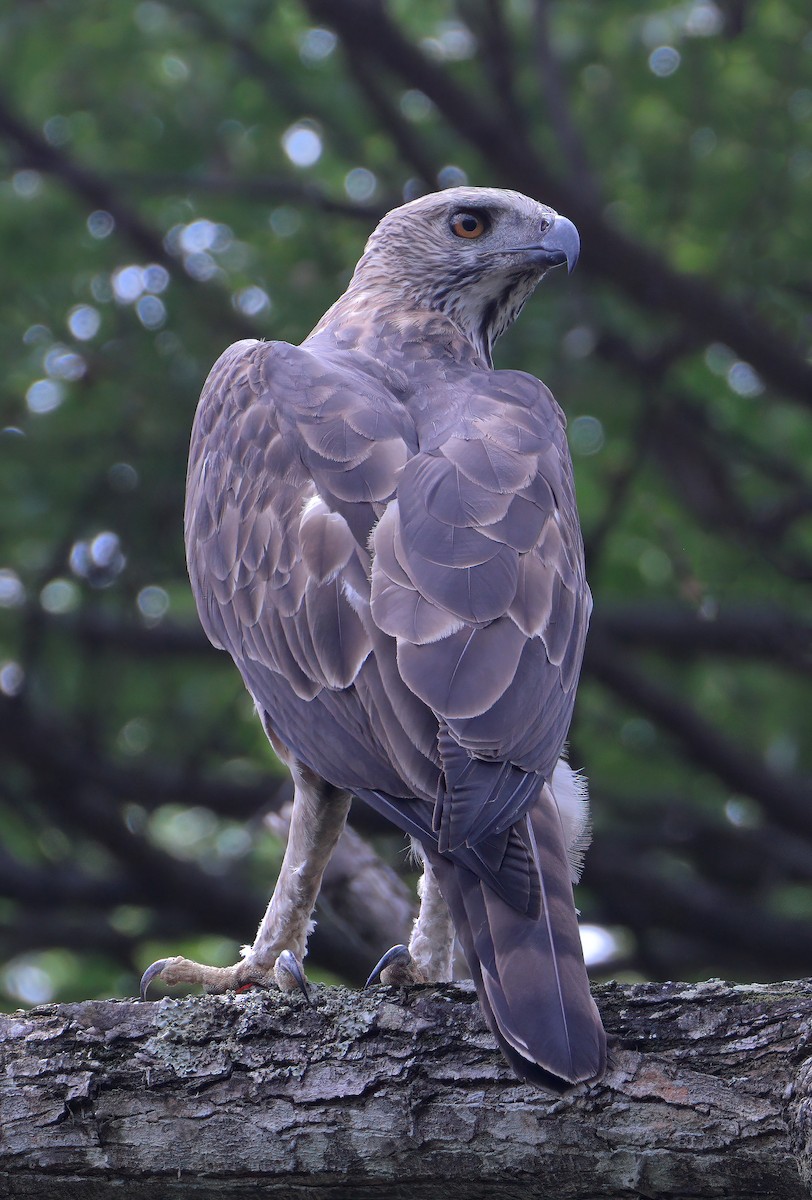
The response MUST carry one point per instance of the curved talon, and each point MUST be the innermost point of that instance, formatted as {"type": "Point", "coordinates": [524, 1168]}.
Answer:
{"type": "Point", "coordinates": [288, 963]}
{"type": "Point", "coordinates": [152, 972]}
{"type": "Point", "coordinates": [395, 956]}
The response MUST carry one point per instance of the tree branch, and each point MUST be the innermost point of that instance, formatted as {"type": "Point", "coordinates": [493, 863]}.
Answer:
{"type": "Point", "coordinates": [56, 748]}
{"type": "Point", "coordinates": [609, 253]}
{"type": "Point", "coordinates": [98, 193]}
{"type": "Point", "coordinates": [487, 19]}
{"type": "Point", "coordinates": [718, 924]}
{"type": "Point", "coordinates": [753, 630]}
{"type": "Point", "coordinates": [706, 1095]}
{"type": "Point", "coordinates": [788, 800]}
{"type": "Point", "coordinates": [559, 114]}
{"type": "Point", "coordinates": [408, 144]}
{"type": "Point", "coordinates": [743, 630]}
{"type": "Point", "coordinates": [262, 188]}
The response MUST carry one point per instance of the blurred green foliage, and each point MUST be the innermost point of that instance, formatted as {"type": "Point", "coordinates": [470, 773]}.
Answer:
{"type": "Point", "coordinates": [177, 175]}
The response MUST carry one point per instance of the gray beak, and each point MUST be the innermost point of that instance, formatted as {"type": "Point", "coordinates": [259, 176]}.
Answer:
{"type": "Point", "coordinates": [560, 244]}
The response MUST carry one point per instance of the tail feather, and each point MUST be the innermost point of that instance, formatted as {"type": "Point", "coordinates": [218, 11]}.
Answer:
{"type": "Point", "coordinates": [529, 972]}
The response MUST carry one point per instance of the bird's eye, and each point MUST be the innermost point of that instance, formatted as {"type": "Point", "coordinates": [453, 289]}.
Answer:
{"type": "Point", "coordinates": [467, 225]}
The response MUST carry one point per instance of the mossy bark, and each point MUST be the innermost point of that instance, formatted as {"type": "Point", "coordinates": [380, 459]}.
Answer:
{"type": "Point", "coordinates": [402, 1094]}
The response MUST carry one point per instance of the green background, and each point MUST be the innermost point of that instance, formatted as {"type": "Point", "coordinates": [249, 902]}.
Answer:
{"type": "Point", "coordinates": [174, 176]}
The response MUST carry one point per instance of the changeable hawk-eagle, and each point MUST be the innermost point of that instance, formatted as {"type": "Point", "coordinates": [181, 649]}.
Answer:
{"type": "Point", "coordinates": [381, 530]}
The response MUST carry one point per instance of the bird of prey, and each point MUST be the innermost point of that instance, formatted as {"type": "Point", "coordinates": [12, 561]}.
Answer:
{"type": "Point", "coordinates": [381, 530]}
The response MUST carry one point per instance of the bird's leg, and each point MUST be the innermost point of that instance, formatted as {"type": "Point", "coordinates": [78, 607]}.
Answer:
{"type": "Point", "coordinates": [318, 818]}
{"type": "Point", "coordinates": [429, 955]}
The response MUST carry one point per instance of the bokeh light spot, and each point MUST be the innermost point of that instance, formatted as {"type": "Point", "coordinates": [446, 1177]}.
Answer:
{"type": "Point", "coordinates": [744, 381]}
{"type": "Point", "coordinates": [63, 363]}
{"type": "Point", "coordinates": [27, 982]}
{"type": "Point", "coordinates": [252, 301]}
{"type": "Point", "coordinates": [59, 596]}
{"type": "Point", "coordinates": [664, 61]}
{"type": "Point", "coordinates": [315, 45]}
{"type": "Point", "coordinates": [12, 678]}
{"type": "Point", "coordinates": [123, 477]}
{"type": "Point", "coordinates": [153, 602]}
{"type": "Point", "coordinates": [599, 944]}
{"type": "Point", "coordinates": [416, 106]}
{"type": "Point", "coordinates": [135, 736]}
{"type": "Point", "coordinates": [586, 435]}
{"type": "Point", "coordinates": [12, 592]}
{"type": "Point", "coordinates": [84, 322]}
{"type": "Point", "coordinates": [151, 312]}
{"type": "Point", "coordinates": [285, 221]}
{"type": "Point", "coordinates": [303, 144]}
{"type": "Point", "coordinates": [451, 176]}
{"type": "Point", "coordinates": [360, 184]}
{"type": "Point", "coordinates": [26, 184]}
{"type": "Point", "coordinates": [44, 396]}
{"type": "Point", "coordinates": [100, 224]}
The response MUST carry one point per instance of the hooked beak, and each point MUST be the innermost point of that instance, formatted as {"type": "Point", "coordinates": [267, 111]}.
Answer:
{"type": "Point", "coordinates": [560, 244]}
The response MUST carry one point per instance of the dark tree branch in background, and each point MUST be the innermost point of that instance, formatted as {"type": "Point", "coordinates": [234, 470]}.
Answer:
{"type": "Point", "coordinates": [363, 908]}
{"type": "Point", "coordinates": [757, 630]}
{"type": "Point", "coordinates": [80, 932]}
{"type": "Point", "coordinates": [487, 20]}
{"type": "Point", "coordinates": [94, 191]}
{"type": "Point", "coordinates": [754, 630]}
{"type": "Point", "coordinates": [282, 87]}
{"type": "Point", "coordinates": [609, 253]}
{"type": "Point", "coordinates": [60, 885]}
{"type": "Point", "coordinates": [259, 188]}
{"type": "Point", "coordinates": [649, 895]}
{"type": "Point", "coordinates": [57, 749]}
{"type": "Point", "coordinates": [620, 486]}
{"type": "Point", "coordinates": [700, 463]}
{"type": "Point", "coordinates": [553, 90]}
{"type": "Point", "coordinates": [680, 436]}
{"type": "Point", "coordinates": [737, 848]}
{"type": "Point", "coordinates": [97, 193]}
{"type": "Point", "coordinates": [788, 800]}
{"type": "Point", "coordinates": [403, 135]}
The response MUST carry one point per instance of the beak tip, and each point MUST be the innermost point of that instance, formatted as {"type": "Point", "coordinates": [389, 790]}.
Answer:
{"type": "Point", "coordinates": [559, 244]}
{"type": "Point", "coordinates": [567, 240]}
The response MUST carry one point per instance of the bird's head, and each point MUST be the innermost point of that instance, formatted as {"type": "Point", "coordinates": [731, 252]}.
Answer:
{"type": "Point", "coordinates": [475, 254]}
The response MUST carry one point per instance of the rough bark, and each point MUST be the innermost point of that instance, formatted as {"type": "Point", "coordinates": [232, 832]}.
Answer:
{"type": "Point", "coordinates": [402, 1094]}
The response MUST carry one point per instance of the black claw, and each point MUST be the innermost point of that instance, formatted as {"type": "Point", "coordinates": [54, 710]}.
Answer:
{"type": "Point", "coordinates": [152, 971]}
{"type": "Point", "coordinates": [290, 963]}
{"type": "Point", "coordinates": [399, 954]}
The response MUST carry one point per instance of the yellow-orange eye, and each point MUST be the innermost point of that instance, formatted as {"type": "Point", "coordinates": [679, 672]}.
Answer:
{"type": "Point", "coordinates": [467, 225]}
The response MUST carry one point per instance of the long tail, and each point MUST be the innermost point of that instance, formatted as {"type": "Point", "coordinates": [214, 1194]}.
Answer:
{"type": "Point", "coordinates": [529, 973]}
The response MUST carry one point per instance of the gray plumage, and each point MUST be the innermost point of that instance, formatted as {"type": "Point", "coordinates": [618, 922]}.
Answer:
{"type": "Point", "coordinates": [382, 532]}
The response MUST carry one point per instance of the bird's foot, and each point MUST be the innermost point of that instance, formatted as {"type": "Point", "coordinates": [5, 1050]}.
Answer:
{"type": "Point", "coordinates": [287, 973]}
{"type": "Point", "coordinates": [398, 968]}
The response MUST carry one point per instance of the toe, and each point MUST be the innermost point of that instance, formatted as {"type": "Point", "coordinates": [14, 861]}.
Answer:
{"type": "Point", "coordinates": [290, 976]}
{"type": "Point", "coordinates": [153, 971]}
{"type": "Point", "coordinates": [184, 970]}
{"type": "Point", "coordinates": [169, 970]}
{"type": "Point", "coordinates": [397, 967]}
